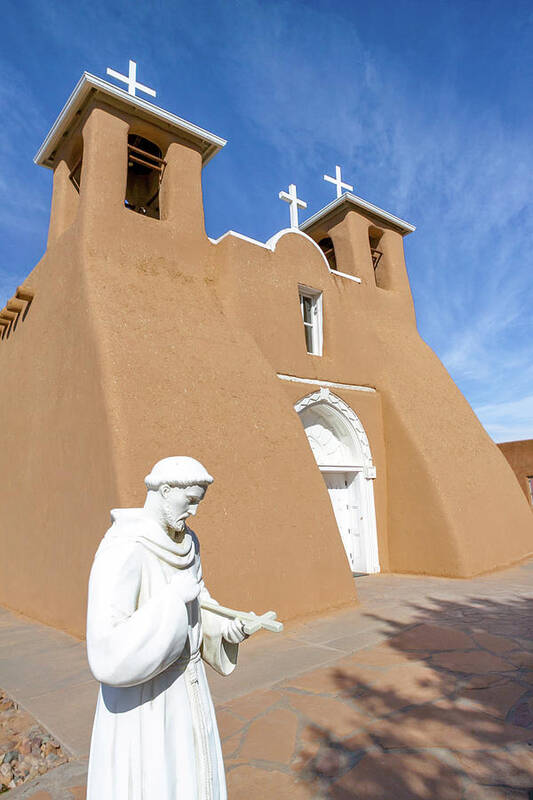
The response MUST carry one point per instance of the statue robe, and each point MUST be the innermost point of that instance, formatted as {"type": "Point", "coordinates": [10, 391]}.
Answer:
{"type": "Point", "coordinates": [155, 735]}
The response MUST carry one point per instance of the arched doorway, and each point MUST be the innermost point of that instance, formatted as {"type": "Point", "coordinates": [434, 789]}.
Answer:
{"type": "Point", "coordinates": [342, 452]}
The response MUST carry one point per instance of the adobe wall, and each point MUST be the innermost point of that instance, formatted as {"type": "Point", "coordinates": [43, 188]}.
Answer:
{"type": "Point", "coordinates": [520, 457]}
{"type": "Point", "coordinates": [182, 377]}
{"type": "Point", "coordinates": [140, 362]}
{"type": "Point", "coordinates": [444, 517]}
{"type": "Point", "coordinates": [145, 340]}
{"type": "Point", "coordinates": [57, 471]}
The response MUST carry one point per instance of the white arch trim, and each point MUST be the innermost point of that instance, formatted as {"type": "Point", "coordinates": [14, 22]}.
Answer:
{"type": "Point", "coordinates": [370, 551]}
{"type": "Point", "coordinates": [273, 241]}
{"type": "Point", "coordinates": [324, 395]}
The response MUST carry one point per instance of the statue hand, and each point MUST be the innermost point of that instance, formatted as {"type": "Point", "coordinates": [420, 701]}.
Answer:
{"type": "Point", "coordinates": [234, 631]}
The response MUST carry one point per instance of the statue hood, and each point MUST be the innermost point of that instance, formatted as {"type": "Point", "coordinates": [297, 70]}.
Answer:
{"type": "Point", "coordinates": [134, 525]}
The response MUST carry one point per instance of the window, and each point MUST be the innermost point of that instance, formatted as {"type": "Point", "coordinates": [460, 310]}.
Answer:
{"type": "Point", "coordinates": [311, 308]}
{"type": "Point", "coordinates": [326, 245]}
{"type": "Point", "coordinates": [145, 173]}
{"type": "Point", "coordinates": [530, 484]}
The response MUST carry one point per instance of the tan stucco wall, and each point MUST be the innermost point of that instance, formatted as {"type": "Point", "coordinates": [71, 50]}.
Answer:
{"type": "Point", "coordinates": [57, 473]}
{"type": "Point", "coordinates": [146, 340]}
{"type": "Point", "coordinates": [128, 332]}
{"type": "Point", "coordinates": [444, 518]}
{"type": "Point", "coordinates": [520, 457]}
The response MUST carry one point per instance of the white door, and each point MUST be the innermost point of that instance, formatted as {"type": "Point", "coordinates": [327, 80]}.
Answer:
{"type": "Point", "coordinates": [343, 488]}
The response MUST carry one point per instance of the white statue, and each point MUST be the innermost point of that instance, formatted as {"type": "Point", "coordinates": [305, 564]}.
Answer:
{"type": "Point", "coordinates": [150, 623]}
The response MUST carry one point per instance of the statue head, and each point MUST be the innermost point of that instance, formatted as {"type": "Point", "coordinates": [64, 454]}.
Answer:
{"type": "Point", "coordinates": [176, 486]}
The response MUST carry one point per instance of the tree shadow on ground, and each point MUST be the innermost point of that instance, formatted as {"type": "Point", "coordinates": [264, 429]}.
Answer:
{"type": "Point", "coordinates": [443, 710]}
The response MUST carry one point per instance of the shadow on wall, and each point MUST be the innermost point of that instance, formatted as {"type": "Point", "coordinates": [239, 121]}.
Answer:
{"type": "Point", "coordinates": [442, 711]}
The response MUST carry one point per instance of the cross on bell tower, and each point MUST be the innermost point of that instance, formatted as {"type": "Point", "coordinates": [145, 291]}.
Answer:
{"type": "Point", "coordinates": [337, 180]}
{"type": "Point", "coordinates": [131, 80]}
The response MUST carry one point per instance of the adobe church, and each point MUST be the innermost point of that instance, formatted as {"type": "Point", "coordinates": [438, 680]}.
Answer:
{"type": "Point", "coordinates": [293, 369]}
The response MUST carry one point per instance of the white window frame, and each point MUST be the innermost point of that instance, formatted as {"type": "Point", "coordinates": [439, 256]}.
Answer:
{"type": "Point", "coordinates": [316, 324]}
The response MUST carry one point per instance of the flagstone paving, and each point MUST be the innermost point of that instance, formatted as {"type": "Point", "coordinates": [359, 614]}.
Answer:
{"type": "Point", "coordinates": [397, 720]}
{"type": "Point", "coordinates": [440, 707]}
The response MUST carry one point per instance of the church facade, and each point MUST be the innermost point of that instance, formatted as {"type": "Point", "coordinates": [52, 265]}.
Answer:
{"type": "Point", "coordinates": [292, 369]}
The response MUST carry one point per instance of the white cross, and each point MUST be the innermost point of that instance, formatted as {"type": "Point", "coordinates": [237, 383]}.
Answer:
{"type": "Point", "coordinates": [131, 80]}
{"type": "Point", "coordinates": [338, 181]}
{"type": "Point", "coordinates": [295, 203]}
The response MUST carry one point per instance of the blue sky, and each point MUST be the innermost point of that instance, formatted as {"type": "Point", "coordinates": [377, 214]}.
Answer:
{"type": "Point", "coordinates": [427, 105]}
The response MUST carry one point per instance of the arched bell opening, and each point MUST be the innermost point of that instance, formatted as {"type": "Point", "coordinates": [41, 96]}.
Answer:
{"type": "Point", "coordinates": [146, 168]}
{"type": "Point", "coordinates": [376, 252]}
{"type": "Point", "coordinates": [75, 164]}
{"type": "Point", "coordinates": [327, 247]}
{"type": "Point", "coordinates": [341, 450]}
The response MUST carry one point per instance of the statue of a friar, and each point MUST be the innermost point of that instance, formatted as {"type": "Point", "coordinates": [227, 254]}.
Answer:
{"type": "Point", "coordinates": [150, 625]}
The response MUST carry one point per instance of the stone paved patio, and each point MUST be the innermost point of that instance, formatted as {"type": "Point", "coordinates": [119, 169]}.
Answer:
{"type": "Point", "coordinates": [440, 708]}
{"type": "Point", "coordinates": [443, 709]}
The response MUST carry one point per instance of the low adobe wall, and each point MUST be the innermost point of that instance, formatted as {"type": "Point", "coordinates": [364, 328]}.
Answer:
{"type": "Point", "coordinates": [520, 457]}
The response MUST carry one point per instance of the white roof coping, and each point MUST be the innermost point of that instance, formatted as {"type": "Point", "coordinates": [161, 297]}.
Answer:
{"type": "Point", "coordinates": [90, 85]}
{"type": "Point", "coordinates": [348, 197]}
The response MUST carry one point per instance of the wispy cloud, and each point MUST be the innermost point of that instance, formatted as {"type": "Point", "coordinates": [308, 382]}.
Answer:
{"type": "Point", "coordinates": [24, 211]}
{"type": "Point", "coordinates": [417, 110]}
{"type": "Point", "coordinates": [508, 421]}
{"type": "Point", "coordinates": [418, 147]}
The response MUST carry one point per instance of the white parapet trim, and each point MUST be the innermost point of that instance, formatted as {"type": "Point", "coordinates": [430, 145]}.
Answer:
{"type": "Point", "coordinates": [330, 384]}
{"type": "Point", "coordinates": [273, 241]}
{"type": "Point", "coordinates": [209, 142]}
{"type": "Point", "coordinates": [345, 275]}
{"type": "Point", "coordinates": [348, 197]}
{"type": "Point", "coordinates": [240, 236]}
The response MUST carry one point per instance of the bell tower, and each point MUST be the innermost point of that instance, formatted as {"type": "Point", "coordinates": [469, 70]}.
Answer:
{"type": "Point", "coordinates": [123, 165]}
{"type": "Point", "coordinates": [362, 239]}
